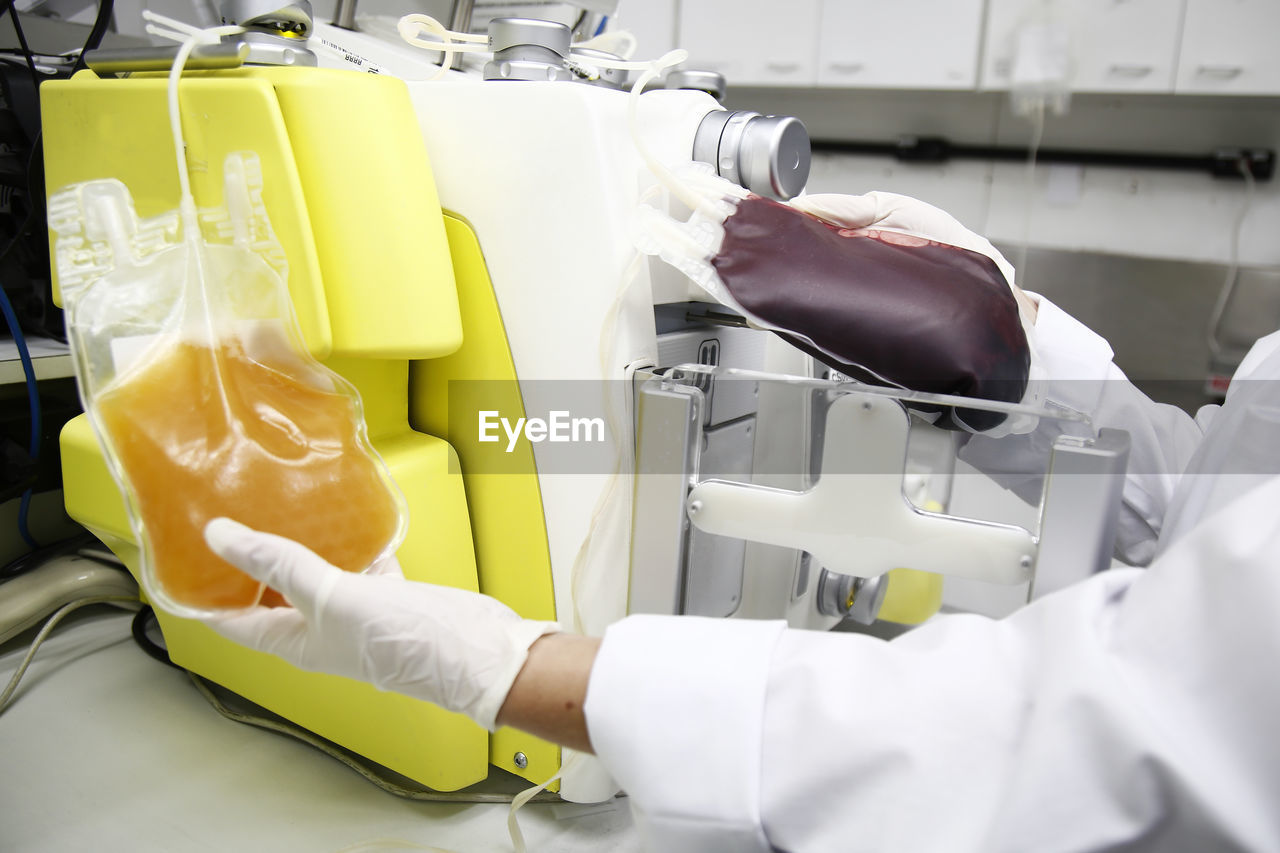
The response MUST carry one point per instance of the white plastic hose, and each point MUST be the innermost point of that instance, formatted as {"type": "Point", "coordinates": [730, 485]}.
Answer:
{"type": "Point", "coordinates": [1233, 262]}
{"type": "Point", "coordinates": [687, 194]}
{"type": "Point", "coordinates": [192, 36]}
{"type": "Point", "coordinates": [448, 42]}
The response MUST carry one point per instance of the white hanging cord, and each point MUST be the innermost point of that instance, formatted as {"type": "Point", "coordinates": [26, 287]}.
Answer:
{"type": "Point", "coordinates": [171, 35]}
{"type": "Point", "coordinates": [180, 29]}
{"type": "Point", "coordinates": [191, 37]}
{"type": "Point", "coordinates": [518, 802]}
{"type": "Point", "coordinates": [1233, 262]}
{"type": "Point", "coordinates": [434, 26]}
{"type": "Point", "coordinates": [691, 198]}
{"type": "Point", "coordinates": [616, 422]}
{"type": "Point", "coordinates": [447, 41]}
{"type": "Point", "coordinates": [630, 64]}
{"type": "Point", "coordinates": [199, 313]}
{"type": "Point", "coordinates": [1037, 137]}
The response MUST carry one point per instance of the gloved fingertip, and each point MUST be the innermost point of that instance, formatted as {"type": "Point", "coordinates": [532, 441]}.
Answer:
{"type": "Point", "coordinates": [253, 552]}
{"type": "Point", "coordinates": [223, 535]}
{"type": "Point", "coordinates": [850, 211]}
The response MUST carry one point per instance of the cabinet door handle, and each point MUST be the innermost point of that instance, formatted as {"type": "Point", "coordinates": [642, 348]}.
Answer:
{"type": "Point", "coordinates": [1221, 72]}
{"type": "Point", "coordinates": [846, 67]}
{"type": "Point", "coordinates": [1126, 69]}
{"type": "Point", "coordinates": [782, 67]}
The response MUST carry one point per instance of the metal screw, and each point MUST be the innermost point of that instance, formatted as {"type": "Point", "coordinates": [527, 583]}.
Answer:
{"type": "Point", "coordinates": [1025, 562]}
{"type": "Point", "coordinates": [695, 507]}
{"type": "Point", "coordinates": [522, 760]}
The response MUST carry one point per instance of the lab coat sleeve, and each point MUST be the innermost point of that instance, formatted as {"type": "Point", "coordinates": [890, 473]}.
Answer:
{"type": "Point", "coordinates": [675, 709]}
{"type": "Point", "coordinates": [1082, 377]}
{"type": "Point", "coordinates": [1135, 710]}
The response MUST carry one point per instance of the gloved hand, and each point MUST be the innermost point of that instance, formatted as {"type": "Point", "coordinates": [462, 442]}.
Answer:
{"type": "Point", "coordinates": [912, 218]}
{"type": "Point", "coordinates": [457, 649]}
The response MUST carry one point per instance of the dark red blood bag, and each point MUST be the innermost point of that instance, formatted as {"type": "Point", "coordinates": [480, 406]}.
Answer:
{"type": "Point", "coordinates": [879, 306]}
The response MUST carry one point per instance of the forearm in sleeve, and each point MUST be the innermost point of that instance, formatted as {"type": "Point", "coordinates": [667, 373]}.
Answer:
{"type": "Point", "coordinates": [1122, 712]}
{"type": "Point", "coordinates": [1082, 377]}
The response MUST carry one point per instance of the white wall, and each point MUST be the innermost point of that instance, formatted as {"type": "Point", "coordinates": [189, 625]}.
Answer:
{"type": "Point", "coordinates": [1148, 213]}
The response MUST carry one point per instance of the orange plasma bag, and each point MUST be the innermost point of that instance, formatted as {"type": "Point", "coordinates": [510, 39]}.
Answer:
{"type": "Point", "coordinates": [204, 398]}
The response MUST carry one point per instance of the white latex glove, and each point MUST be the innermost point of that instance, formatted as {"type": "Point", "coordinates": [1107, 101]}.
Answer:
{"type": "Point", "coordinates": [457, 649]}
{"type": "Point", "coordinates": [914, 218]}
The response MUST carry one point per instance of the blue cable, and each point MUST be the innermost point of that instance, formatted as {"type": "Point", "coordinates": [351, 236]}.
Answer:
{"type": "Point", "coordinates": [33, 398]}
{"type": "Point", "coordinates": [24, 506]}
{"type": "Point", "coordinates": [603, 23]}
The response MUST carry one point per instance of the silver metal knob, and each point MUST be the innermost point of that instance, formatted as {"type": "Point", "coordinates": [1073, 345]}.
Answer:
{"type": "Point", "coordinates": [610, 78]}
{"type": "Point", "coordinates": [711, 82]}
{"type": "Point", "coordinates": [769, 155]}
{"type": "Point", "coordinates": [291, 16]}
{"type": "Point", "coordinates": [858, 599]}
{"type": "Point", "coordinates": [527, 49]}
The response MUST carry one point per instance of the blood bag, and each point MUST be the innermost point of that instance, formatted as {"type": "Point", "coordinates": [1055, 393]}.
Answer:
{"type": "Point", "coordinates": [878, 306]}
{"type": "Point", "coordinates": [204, 398]}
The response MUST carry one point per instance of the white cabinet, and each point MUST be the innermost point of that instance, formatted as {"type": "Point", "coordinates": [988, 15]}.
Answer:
{"type": "Point", "coordinates": [1230, 47]}
{"type": "Point", "coordinates": [1126, 45]}
{"type": "Point", "coordinates": [1115, 45]}
{"type": "Point", "coordinates": [1137, 46]}
{"type": "Point", "coordinates": [927, 44]}
{"type": "Point", "coordinates": [752, 42]}
{"type": "Point", "coordinates": [652, 22]}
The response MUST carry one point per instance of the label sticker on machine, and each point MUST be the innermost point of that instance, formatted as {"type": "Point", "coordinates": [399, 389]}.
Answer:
{"type": "Point", "coordinates": [360, 62]}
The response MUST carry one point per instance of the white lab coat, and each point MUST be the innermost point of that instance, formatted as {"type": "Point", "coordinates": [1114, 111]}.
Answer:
{"type": "Point", "coordinates": [1138, 709]}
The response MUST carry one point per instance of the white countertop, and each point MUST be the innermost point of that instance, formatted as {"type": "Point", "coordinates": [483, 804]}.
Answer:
{"type": "Point", "coordinates": [50, 359]}
{"type": "Point", "coordinates": [105, 749]}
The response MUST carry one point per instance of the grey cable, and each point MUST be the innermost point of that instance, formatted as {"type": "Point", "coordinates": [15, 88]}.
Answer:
{"type": "Point", "coordinates": [1233, 262]}
{"type": "Point", "coordinates": [366, 770]}
{"type": "Point", "coordinates": [121, 601]}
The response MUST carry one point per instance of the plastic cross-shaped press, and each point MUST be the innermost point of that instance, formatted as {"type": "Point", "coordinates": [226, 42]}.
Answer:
{"type": "Point", "coordinates": [855, 519]}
